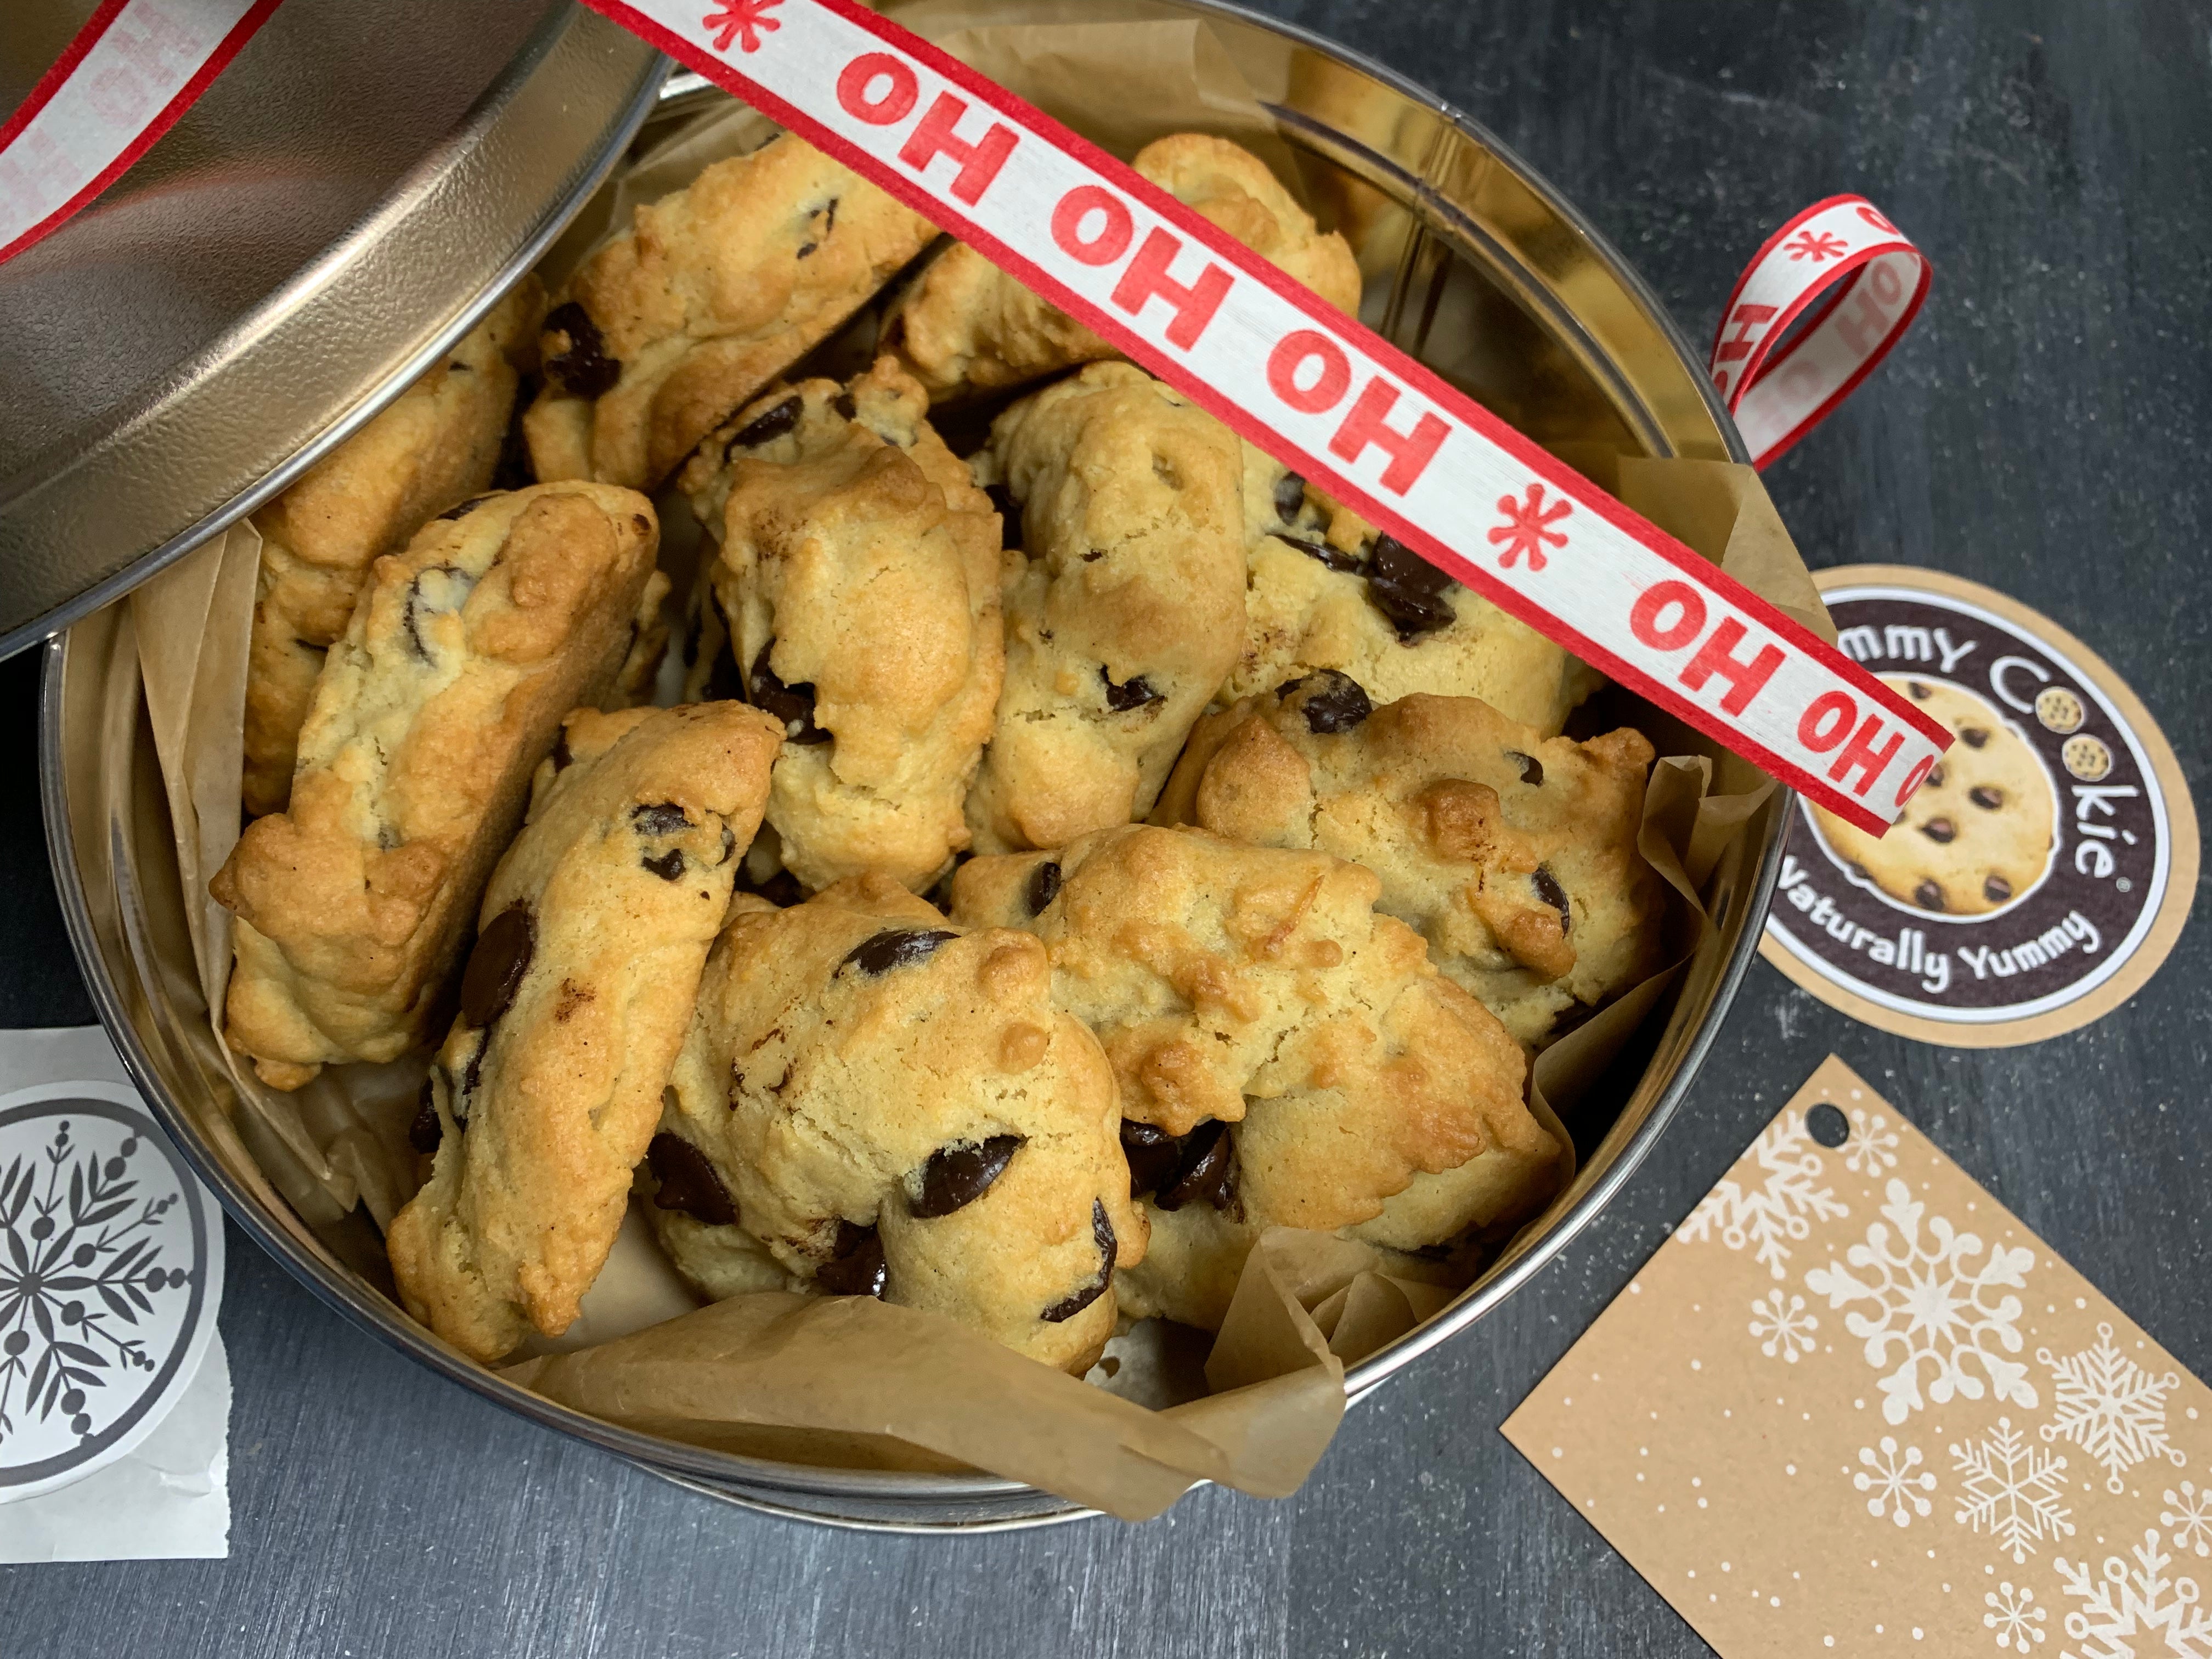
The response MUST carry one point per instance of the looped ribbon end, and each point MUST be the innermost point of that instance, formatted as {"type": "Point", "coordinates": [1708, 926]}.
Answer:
{"type": "Point", "coordinates": [1868, 281]}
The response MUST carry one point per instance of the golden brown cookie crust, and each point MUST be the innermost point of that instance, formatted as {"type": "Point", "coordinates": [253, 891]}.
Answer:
{"type": "Point", "coordinates": [415, 764]}
{"type": "Point", "coordinates": [1259, 988]}
{"type": "Point", "coordinates": [437, 445]}
{"type": "Point", "coordinates": [717, 288]}
{"type": "Point", "coordinates": [1515, 855]}
{"type": "Point", "coordinates": [856, 565]}
{"type": "Point", "coordinates": [1124, 611]}
{"type": "Point", "coordinates": [857, 1063]}
{"type": "Point", "coordinates": [1314, 600]}
{"type": "Point", "coordinates": [544, 1105]}
{"type": "Point", "coordinates": [965, 326]}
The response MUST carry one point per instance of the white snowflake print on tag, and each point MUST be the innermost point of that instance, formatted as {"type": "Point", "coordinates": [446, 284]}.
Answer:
{"type": "Point", "coordinates": [1785, 1329]}
{"type": "Point", "coordinates": [1781, 1209]}
{"type": "Point", "coordinates": [2012, 1490]}
{"type": "Point", "coordinates": [1893, 1484]}
{"type": "Point", "coordinates": [2013, 1616]}
{"type": "Point", "coordinates": [106, 1261]}
{"type": "Point", "coordinates": [1934, 1308]}
{"type": "Point", "coordinates": [2189, 1512]}
{"type": "Point", "coordinates": [1873, 1145]}
{"type": "Point", "coordinates": [78, 1279]}
{"type": "Point", "coordinates": [2135, 1611]}
{"type": "Point", "coordinates": [2111, 1407]}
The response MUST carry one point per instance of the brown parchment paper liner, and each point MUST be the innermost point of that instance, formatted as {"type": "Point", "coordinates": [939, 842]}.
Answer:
{"type": "Point", "coordinates": [341, 1141]}
{"type": "Point", "coordinates": [851, 1383]}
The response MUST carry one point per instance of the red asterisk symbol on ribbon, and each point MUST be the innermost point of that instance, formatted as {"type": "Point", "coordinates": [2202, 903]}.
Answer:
{"type": "Point", "coordinates": [1528, 528]}
{"type": "Point", "coordinates": [1815, 247]}
{"type": "Point", "coordinates": [742, 20]}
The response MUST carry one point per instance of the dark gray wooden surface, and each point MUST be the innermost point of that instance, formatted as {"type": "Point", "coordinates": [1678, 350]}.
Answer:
{"type": "Point", "coordinates": [2041, 431]}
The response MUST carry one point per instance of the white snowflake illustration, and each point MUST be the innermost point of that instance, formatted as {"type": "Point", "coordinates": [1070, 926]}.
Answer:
{"type": "Point", "coordinates": [1892, 1483]}
{"type": "Point", "coordinates": [2013, 1616]}
{"type": "Point", "coordinates": [2111, 1407]}
{"type": "Point", "coordinates": [1785, 1329]}
{"type": "Point", "coordinates": [1873, 1145]}
{"type": "Point", "coordinates": [2189, 1512]}
{"type": "Point", "coordinates": [1781, 1208]}
{"type": "Point", "coordinates": [1933, 1310]}
{"type": "Point", "coordinates": [78, 1268]}
{"type": "Point", "coordinates": [2127, 1603]}
{"type": "Point", "coordinates": [2012, 1490]}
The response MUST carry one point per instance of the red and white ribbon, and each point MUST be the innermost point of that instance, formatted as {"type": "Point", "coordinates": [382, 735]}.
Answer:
{"type": "Point", "coordinates": [1326, 397]}
{"type": "Point", "coordinates": [121, 83]}
{"type": "Point", "coordinates": [1873, 280]}
{"type": "Point", "coordinates": [1312, 387]}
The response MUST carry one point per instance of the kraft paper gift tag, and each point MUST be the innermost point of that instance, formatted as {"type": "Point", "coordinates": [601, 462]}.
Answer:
{"type": "Point", "coordinates": [1854, 1405]}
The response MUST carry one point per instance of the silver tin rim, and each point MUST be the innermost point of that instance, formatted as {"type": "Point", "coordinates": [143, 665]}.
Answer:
{"type": "Point", "coordinates": [875, 1500]}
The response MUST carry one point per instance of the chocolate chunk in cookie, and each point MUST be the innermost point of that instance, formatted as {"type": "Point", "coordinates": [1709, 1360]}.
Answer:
{"type": "Point", "coordinates": [894, 948]}
{"type": "Point", "coordinates": [683, 1180]}
{"type": "Point", "coordinates": [1330, 702]}
{"type": "Point", "coordinates": [855, 1266]}
{"type": "Point", "coordinates": [1408, 590]}
{"type": "Point", "coordinates": [956, 1176]}
{"type": "Point", "coordinates": [1101, 1229]}
{"type": "Point", "coordinates": [574, 354]}
{"type": "Point", "coordinates": [778, 419]}
{"type": "Point", "coordinates": [496, 966]}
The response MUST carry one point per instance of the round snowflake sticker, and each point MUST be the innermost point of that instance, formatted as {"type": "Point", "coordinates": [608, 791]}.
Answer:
{"type": "Point", "coordinates": [111, 1270]}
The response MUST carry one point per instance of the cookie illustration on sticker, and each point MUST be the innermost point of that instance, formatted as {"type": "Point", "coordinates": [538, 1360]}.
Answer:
{"type": "Point", "coordinates": [2041, 872]}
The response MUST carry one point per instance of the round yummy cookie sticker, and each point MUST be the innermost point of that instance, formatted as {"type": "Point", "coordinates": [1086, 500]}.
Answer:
{"type": "Point", "coordinates": [111, 1273]}
{"type": "Point", "coordinates": [2041, 872]}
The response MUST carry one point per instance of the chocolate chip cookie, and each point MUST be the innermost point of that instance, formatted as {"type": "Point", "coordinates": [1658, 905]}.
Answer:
{"type": "Point", "coordinates": [589, 945]}
{"type": "Point", "coordinates": [1512, 854]}
{"type": "Point", "coordinates": [1125, 604]}
{"type": "Point", "coordinates": [437, 445]}
{"type": "Point", "coordinates": [1286, 1055]}
{"type": "Point", "coordinates": [1326, 590]}
{"type": "Point", "coordinates": [967, 326]}
{"type": "Point", "coordinates": [415, 762]}
{"type": "Point", "coordinates": [896, 1107]}
{"type": "Point", "coordinates": [717, 289]}
{"type": "Point", "coordinates": [1977, 834]}
{"type": "Point", "coordinates": [857, 572]}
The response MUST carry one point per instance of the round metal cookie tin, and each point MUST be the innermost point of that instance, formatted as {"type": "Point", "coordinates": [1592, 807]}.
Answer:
{"type": "Point", "coordinates": [1475, 266]}
{"type": "Point", "coordinates": [111, 1273]}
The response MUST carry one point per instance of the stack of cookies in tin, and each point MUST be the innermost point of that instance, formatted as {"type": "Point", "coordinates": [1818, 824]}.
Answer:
{"type": "Point", "coordinates": [1061, 845]}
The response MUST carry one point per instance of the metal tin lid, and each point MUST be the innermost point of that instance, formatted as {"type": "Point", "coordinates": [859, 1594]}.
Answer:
{"type": "Point", "coordinates": [347, 198]}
